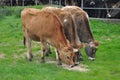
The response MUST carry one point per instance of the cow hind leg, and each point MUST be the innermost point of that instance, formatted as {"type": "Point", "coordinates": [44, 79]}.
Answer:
{"type": "Point", "coordinates": [28, 45]}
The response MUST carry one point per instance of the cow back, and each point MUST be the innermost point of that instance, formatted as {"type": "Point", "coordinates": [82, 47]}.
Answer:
{"type": "Point", "coordinates": [82, 23]}
{"type": "Point", "coordinates": [41, 24]}
{"type": "Point", "coordinates": [68, 22]}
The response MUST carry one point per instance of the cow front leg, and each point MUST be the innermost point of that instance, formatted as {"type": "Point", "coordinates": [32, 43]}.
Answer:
{"type": "Point", "coordinates": [80, 56]}
{"type": "Point", "coordinates": [57, 57]}
{"type": "Point", "coordinates": [44, 48]}
{"type": "Point", "coordinates": [28, 45]}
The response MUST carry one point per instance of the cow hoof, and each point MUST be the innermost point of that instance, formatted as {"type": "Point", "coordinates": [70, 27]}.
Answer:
{"type": "Point", "coordinates": [71, 66]}
{"type": "Point", "coordinates": [42, 60]}
{"type": "Point", "coordinates": [59, 63]}
{"type": "Point", "coordinates": [31, 56]}
{"type": "Point", "coordinates": [30, 59]}
{"type": "Point", "coordinates": [47, 53]}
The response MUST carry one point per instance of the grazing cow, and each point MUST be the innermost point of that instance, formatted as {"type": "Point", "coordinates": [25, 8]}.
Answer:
{"type": "Point", "coordinates": [46, 27]}
{"type": "Point", "coordinates": [83, 30]}
{"type": "Point", "coordinates": [69, 29]}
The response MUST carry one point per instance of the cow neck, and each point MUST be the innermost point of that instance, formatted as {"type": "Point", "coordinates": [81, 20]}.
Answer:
{"type": "Point", "coordinates": [76, 41]}
{"type": "Point", "coordinates": [85, 22]}
{"type": "Point", "coordinates": [88, 27]}
{"type": "Point", "coordinates": [61, 44]}
{"type": "Point", "coordinates": [60, 40]}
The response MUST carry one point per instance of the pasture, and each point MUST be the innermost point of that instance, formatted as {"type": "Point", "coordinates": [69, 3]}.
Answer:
{"type": "Point", "coordinates": [14, 65]}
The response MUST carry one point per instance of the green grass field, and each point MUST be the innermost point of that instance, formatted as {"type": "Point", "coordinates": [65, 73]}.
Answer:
{"type": "Point", "coordinates": [14, 65]}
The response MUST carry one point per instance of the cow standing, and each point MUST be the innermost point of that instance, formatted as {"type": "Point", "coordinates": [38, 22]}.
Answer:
{"type": "Point", "coordinates": [83, 30]}
{"type": "Point", "coordinates": [69, 29]}
{"type": "Point", "coordinates": [47, 28]}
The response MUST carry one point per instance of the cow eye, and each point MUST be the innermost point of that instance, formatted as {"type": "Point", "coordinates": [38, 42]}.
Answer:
{"type": "Point", "coordinates": [68, 57]}
{"type": "Point", "coordinates": [93, 50]}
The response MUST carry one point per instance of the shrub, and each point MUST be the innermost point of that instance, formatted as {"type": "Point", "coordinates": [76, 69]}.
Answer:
{"type": "Point", "coordinates": [15, 11]}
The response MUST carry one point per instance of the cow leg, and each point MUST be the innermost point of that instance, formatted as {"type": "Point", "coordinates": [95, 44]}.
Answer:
{"type": "Point", "coordinates": [48, 51]}
{"type": "Point", "coordinates": [44, 48]}
{"type": "Point", "coordinates": [57, 57]}
{"type": "Point", "coordinates": [80, 56]}
{"type": "Point", "coordinates": [28, 45]}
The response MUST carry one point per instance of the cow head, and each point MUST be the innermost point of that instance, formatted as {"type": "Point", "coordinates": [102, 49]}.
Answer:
{"type": "Point", "coordinates": [67, 55]}
{"type": "Point", "coordinates": [91, 49]}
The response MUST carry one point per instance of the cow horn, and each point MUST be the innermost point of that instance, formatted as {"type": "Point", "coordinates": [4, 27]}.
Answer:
{"type": "Point", "coordinates": [75, 50]}
{"type": "Point", "coordinates": [65, 20]}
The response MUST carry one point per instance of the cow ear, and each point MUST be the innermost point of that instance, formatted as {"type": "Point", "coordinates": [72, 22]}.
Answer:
{"type": "Point", "coordinates": [68, 43]}
{"type": "Point", "coordinates": [96, 43]}
{"type": "Point", "coordinates": [65, 49]}
{"type": "Point", "coordinates": [65, 20]}
{"type": "Point", "coordinates": [68, 49]}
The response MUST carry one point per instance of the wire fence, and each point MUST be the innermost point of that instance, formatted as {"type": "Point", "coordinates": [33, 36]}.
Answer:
{"type": "Point", "coordinates": [103, 11]}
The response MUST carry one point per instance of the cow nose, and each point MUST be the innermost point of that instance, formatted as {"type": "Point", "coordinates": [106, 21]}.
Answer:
{"type": "Point", "coordinates": [91, 58]}
{"type": "Point", "coordinates": [75, 64]}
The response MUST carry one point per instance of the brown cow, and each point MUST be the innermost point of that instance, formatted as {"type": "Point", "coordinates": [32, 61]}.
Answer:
{"type": "Point", "coordinates": [46, 27]}
{"type": "Point", "coordinates": [83, 29]}
{"type": "Point", "coordinates": [69, 28]}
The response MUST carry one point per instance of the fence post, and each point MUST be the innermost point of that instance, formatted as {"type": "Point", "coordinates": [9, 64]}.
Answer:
{"type": "Point", "coordinates": [11, 2]}
{"type": "Point", "coordinates": [17, 2]}
{"type": "Point", "coordinates": [59, 3]}
{"type": "Point", "coordinates": [50, 2]}
{"type": "Point", "coordinates": [82, 4]}
{"type": "Point", "coordinates": [23, 2]}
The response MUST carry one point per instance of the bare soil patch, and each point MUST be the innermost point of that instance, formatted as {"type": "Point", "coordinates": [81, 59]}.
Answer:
{"type": "Point", "coordinates": [80, 67]}
{"type": "Point", "coordinates": [2, 55]}
{"type": "Point", "coordinates": [50, 60]}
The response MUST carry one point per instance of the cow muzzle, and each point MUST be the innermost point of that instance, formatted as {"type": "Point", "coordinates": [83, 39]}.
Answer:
{"type": "Point", "coordinates": [91, 58]}
{"type": "Point", "coordinates": [71, 66]}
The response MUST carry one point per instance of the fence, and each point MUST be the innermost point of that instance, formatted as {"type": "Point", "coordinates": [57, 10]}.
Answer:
{"type": "Point", "coordinates": [103, 11]}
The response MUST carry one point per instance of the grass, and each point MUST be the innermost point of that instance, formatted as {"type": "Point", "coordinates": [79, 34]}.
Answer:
{"type": "Point", "coordinates": [14, 66]}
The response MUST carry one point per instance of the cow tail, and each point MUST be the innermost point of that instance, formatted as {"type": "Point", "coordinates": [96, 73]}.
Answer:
{"type": "Point", "coordinates": [24, 40]}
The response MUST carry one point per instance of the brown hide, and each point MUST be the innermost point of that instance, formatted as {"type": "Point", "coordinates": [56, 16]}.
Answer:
{"type": "Point", "coordinates": [46, 27]}
{"type": "Point", "coordinates": [69, 25]}
{"type": "Point", "coordinates": [83, 29]}
{"type": "Point", "coordinates": [82, 22]}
